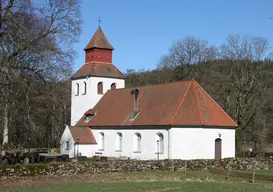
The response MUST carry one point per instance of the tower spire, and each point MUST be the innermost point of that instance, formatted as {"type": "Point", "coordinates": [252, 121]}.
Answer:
{"type": "Point", "coordinates": [99, 41]}
{"type": "Point", "coordinates": [98, 48]}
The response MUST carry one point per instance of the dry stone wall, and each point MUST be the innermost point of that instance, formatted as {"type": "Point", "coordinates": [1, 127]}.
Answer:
{"type": "Point", "coordinates": [71, 168]}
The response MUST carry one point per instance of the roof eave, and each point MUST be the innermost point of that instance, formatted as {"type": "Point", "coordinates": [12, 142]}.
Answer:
{"type": "Point", "coordinates": [170, 126]}
{"type": "Point", "coordinates": [80, 77]}
{"type": "Point", "coordinates": [94, 47]}
{"type": "Point", "coordinates": [87, 143]}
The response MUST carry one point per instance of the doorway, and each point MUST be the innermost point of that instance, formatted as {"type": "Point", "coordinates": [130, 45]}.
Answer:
{"type": "Point", "coordinates": [218, 148]}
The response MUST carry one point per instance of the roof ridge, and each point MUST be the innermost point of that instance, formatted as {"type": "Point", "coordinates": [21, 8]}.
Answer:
{"type": "Point", "coordinates": [96, 36]}
{"type": "Point", "coordinates": [181, 102]}
{"type": "Point", "coordinates": [218, 106]}
{"type": "Point", "coordinates": [198, 103]}
{"type": "Point", "coordinates": [152, 85]}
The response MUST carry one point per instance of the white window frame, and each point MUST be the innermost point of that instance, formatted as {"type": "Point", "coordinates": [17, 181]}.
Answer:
{"type": "Point", "coordinates": [159, 143]}
{"type": "Point", "coordinates": [137, 143]}
{"type": "Point", "coordinates": [77, 89]}
{"type": "Point", "coordinates": [84, 88]}
{"type": "Point", "coordinates": [101, 141]}
{"type": "Point", "coordinates": [119, 142]}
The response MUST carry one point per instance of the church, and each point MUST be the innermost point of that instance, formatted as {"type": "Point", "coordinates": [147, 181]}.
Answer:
{"type": "Point", "coordinates": [167, 121]}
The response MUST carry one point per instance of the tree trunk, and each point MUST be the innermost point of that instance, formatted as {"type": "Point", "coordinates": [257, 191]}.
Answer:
{"type": "Point", "coordinates": [238, 142]}
{"type": "Point", "coordinates": [5, 128]}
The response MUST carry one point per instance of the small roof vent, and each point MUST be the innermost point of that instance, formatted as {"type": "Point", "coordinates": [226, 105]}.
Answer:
{"type": "Point", "coordinates": [89, 115]}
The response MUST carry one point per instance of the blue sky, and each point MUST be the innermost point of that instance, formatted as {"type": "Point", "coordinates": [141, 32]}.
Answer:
{"type": "Point", "coordinates": [141, 31]}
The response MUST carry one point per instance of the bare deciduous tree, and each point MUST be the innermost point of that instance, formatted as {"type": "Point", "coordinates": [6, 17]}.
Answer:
{"type": "Point", "coordinates": [35, 49]}
{"type": "Point", "coordinates": [239, 47]}
{"type": "Point", "coordinates": [189, 50]}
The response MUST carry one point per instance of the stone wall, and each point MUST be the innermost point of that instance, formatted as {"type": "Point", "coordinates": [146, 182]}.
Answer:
{"type": "Point", "coordinates": [71, 168]}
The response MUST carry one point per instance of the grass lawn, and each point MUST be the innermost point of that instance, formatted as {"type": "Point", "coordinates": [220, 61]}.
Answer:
{"type": "Point", "coordinates": [185, 186]}
{"type": "Point", "coordinates": [264, 172]}
{"type": "Point", "coordinates": [193, 181]}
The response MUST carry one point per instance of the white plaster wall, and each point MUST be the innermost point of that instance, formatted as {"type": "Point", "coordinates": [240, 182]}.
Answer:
{"type": "Point", "coordinates": [148, 143]}
{"type": "Point", "coordinates": [67, 137]}
{"type": "Point", "coordinates": [185, 143]}
{"type": "Point", "coordinates": [199, 143]}
{"type": "Point", "coordinates": [87, 150]}
{"type": "Point", "coordinates": [81, 103]}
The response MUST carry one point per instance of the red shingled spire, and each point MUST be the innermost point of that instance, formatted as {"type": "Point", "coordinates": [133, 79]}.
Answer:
{"type": "Point", "coordinates": [99, 41]}
{"type": "Point", "coordinates": [98, 48]}
{"type": "Point", "coordinates": [98, 59]}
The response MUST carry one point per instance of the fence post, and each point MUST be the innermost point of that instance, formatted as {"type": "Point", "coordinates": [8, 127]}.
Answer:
{"type": "Point", "coordinates": [172, 166]}
{"type": "Point", "coordinates": [228, 173]}
{"type": "Point", "coordinates": [253, 174]}
{"type": "Point", "coordinates": [185, 166]}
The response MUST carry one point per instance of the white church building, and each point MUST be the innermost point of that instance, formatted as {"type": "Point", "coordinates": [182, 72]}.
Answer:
{"type": "Point", "coordinates": [167, 121]}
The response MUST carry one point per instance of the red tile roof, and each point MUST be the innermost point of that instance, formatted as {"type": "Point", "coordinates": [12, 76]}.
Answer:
{"type": "Point", "coordinates": [99, 41]}
{"type": "Point", "coordinates": [98, 69]}
{"type": "Point", "coordinates": [173, 104]}
{"type": "Point", "coordinates": [84, 134]}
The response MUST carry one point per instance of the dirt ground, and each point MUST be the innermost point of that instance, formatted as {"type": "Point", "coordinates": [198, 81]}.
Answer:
{"type": "Point", "coordinates": [80, 178]}
{"type": "Point", "coordinates": [52, 180]}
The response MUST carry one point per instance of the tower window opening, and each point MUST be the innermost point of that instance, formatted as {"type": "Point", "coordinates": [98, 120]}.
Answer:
{"type": "Point", "coordinates": [100, 88]}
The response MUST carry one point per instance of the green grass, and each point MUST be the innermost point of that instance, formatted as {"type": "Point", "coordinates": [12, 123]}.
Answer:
{"type": "Point", "coordinates": [180, 175]}
{"type": "Point", "coordinates": [264, 172]}
{"type": "Point", "coordinates": [193, 181]}
{"type": "Point", "coordinates": [260, 172]}
{"type": "Point", "coordinates": [185, 186]}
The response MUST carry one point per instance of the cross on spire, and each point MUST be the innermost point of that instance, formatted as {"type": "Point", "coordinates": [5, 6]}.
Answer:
{"type": "Point", "coordinates": [99, 21]}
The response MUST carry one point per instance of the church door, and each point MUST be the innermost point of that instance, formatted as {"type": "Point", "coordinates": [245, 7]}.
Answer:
{"type": "Point", "coordinates": [218, 148]}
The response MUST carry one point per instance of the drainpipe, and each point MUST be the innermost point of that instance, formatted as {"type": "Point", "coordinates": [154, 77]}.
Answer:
{"type": "Point", "coordinates": [157, 142]}
{"type": "Point", "coordinates": [168, 143]}
{"type": "Point", "coordinates": [77, 147]}
{"type": "Point", "coordinates": [74, 149]}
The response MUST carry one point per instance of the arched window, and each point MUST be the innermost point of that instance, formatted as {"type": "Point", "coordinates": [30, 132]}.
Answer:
{"type": "Point", "coordinates": [101, 141]}
{"type": "Point", "coordinates": [137, 142]}
{"type": "Point", "coordinates": [100, 88]}
{"type": "Point", "coordinates": [119, 142]}
{"type": "Point", "coordinates": [113, 86]}
{"type": "Point", "coordinates": [77, 89]}
{"type": "Point", "coordinates": [159, 143]}
{"type": "Point", "coordinates": [84, 88]}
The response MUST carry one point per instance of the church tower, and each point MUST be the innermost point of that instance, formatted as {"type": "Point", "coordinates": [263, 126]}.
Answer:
{"type": "Point", "coordinates": [95, 77]}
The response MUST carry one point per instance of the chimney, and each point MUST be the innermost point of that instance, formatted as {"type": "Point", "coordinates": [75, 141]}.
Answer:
{"type": "Point", "coordinates": [135, 93]}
